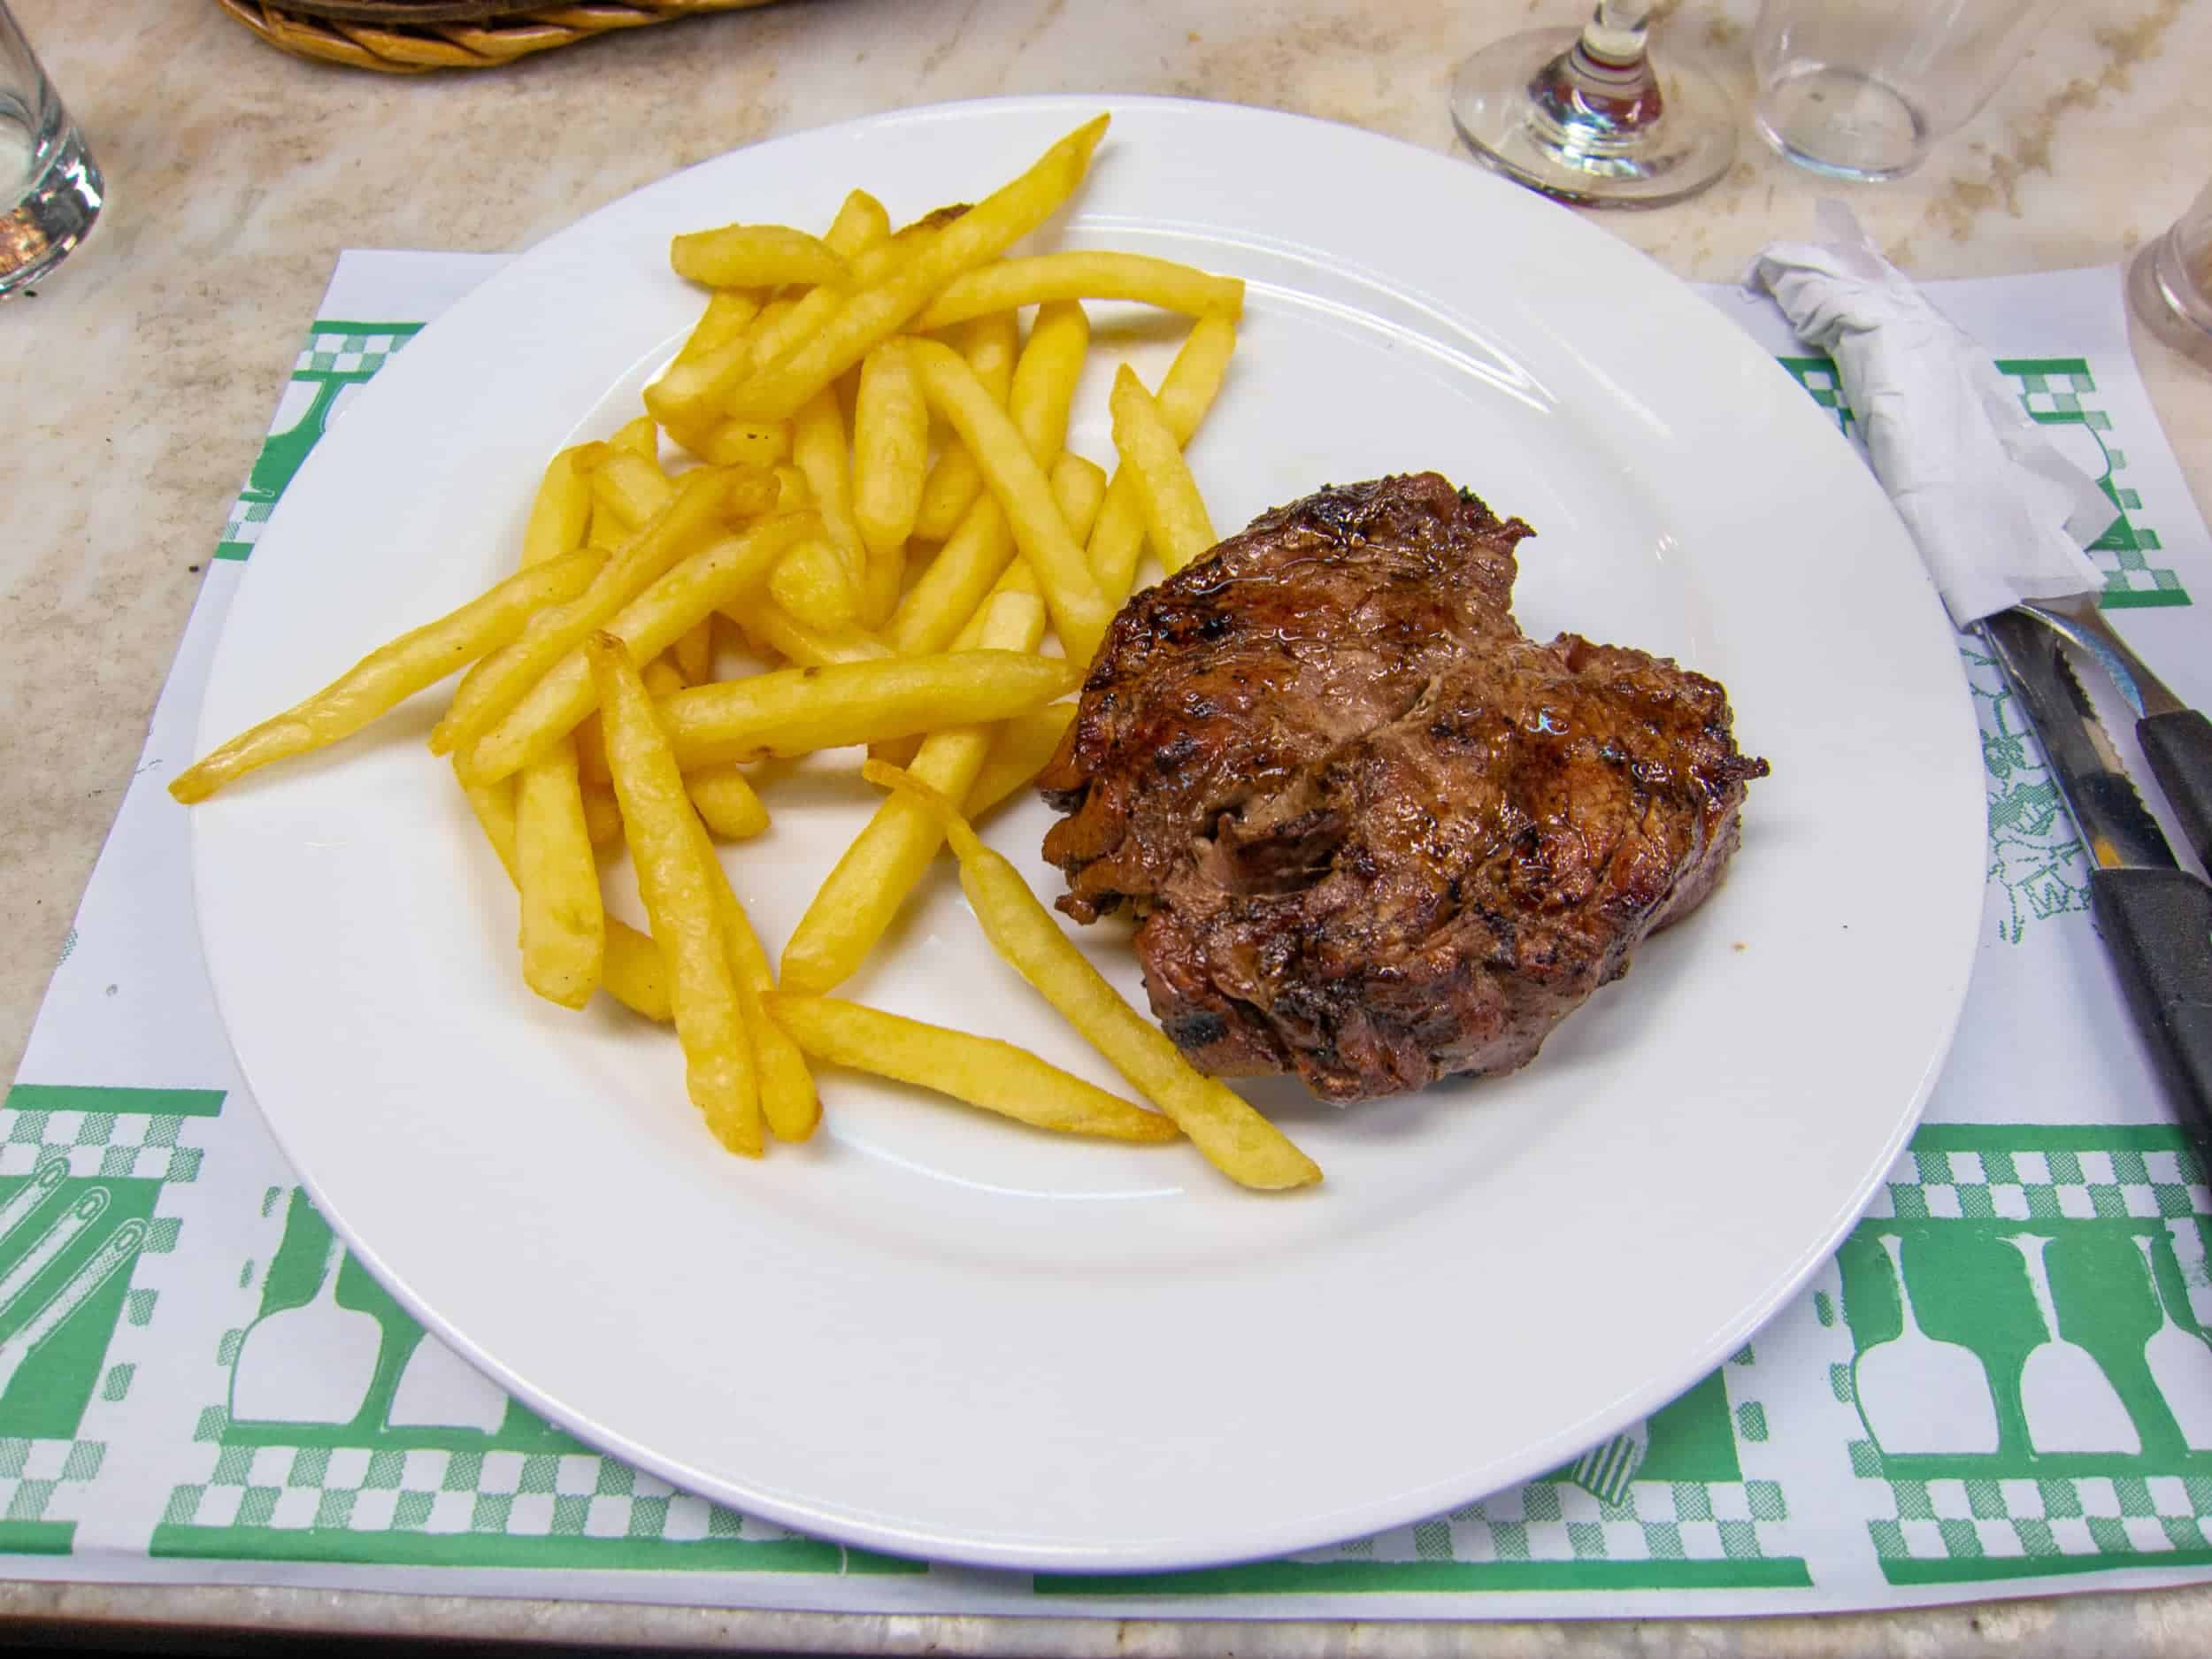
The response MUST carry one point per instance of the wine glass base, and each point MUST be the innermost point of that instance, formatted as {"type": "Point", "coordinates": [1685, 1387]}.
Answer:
{"type": "Point", "coordinates": [1588, 159]}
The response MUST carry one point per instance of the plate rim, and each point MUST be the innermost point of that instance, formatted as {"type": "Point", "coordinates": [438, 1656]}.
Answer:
{"type": "Point", "coordinates": [1309, 1531]}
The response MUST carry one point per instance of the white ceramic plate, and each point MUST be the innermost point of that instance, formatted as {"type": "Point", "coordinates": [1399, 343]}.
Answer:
{"type": "Point", "coordinates": [938, 1334]}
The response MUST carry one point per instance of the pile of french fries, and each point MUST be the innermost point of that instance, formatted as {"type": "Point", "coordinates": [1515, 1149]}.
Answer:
{"type": "Point", "coordinates": [869, 485]}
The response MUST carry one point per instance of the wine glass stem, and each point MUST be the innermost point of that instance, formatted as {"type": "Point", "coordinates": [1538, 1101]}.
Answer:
{"type": "Point", "coordinates": [1616, 33]}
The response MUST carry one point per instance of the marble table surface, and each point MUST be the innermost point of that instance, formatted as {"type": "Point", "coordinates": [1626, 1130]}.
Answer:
{"type": "Point", "coordinates": [142, 376]}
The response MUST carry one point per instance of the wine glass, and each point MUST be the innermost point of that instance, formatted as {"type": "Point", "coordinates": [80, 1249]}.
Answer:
{"type": "Point", "coordinates": [1584, 115]}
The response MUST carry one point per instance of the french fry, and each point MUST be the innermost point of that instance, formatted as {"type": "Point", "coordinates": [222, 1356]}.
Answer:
{"type": "Point", "coordinates": [639, 437]}
{"type": "Point", "coordinates": [1175, 516]}
{"type": "Point", "coordinates": [1016, 578]}
{"type": "Point", "coordinates": [648, 626]}
{"type": "Point", "coordinates": [754, 443]}
{"type": "Point", "coordinates": [693, 518]}
{"type": "Point", "coordinates": [602, 819]}
{"type": "Point", "coordinates": [1117, 540]}
{"type": "Point", "coordinates": [694, 652]}
{"type": "Point", "coordinates": [812, 583]}
{"type": "Point", "coordinates": [726, 802]}
{"type": "Point", "coordinates": [890, 452]}
{"type": "Point", "coordinates": [861, 223]}
{"type": "Point", "coordinates": [809, 648]}
{"type": "Point", "coordinates": [630, 486]}
{"type": "Point", "coordinates": [982, 1070]}
{"type": "Point", "coordinates": [1072, 488]}
{"type": "Point", "coordinates": [857, 905]}
{"type": "Point", "coordinates": [688, 396]}
{"type": "Point", "coordinates": [564, 925]}
{"type": "Point", "coordinates": [755, 257]}
{"type": "Point", "coordinates": [561, 513]}
{"type": "Point", "coordinates": [1080, 611]}
{"type": "Point", "coordinates": [670, 850]}
{"type": "Point", "coordinates": [727, 317]}
{"type": "Point", "coordinates": [1042, 279]}
{"type": "Point", "coordinates": [1044, 379]}
{"type": "Point", "coordinates": [591, 752]}
{"type": "Point", "coordinates": [390, 674]}
{"type": "Point", "coordinates": [631, 971]}
{"type": "Point", "coordinates": [952, 586]}
{"type": "Point", "coordinates": [662, 677]}
{"type": "Point", "coordinates": [1079, 484]}
{"type": "Point", "coordinates": [990, 345]}
{"type": "Point", "coordinates": [796, 710]}
{"type": "Point", "coordinates": [787, 1100]}
{"type": "Point", "coordinates": [1235, 1139]}
{"type": "Point", "coordinates": [873, 315]}
{"type": "Point", "coordinates": [1024, 744]}
{"type": "Point", "coordinates": [817, 449]}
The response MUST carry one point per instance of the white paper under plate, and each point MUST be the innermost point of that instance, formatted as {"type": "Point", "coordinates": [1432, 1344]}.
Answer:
{"type": "Point", "coordinates": [937, 1334]}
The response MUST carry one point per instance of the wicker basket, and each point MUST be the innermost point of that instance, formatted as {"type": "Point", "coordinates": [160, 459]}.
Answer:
{"type": "Point", "coordinates": [407, 37]}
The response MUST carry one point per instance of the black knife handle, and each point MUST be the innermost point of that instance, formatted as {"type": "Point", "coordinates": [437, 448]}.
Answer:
{"type": "Point", "coordinates": [2178, 745]}
{"type": "Point", "coordinates": [2157, 925]}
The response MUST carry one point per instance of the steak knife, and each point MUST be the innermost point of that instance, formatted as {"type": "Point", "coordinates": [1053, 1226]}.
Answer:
{"type": "Point", "coordinates": [2155, 917]}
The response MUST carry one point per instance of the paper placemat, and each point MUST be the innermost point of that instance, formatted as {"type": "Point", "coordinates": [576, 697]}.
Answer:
{"type": "Point", "coordinates": [2002, 1384]}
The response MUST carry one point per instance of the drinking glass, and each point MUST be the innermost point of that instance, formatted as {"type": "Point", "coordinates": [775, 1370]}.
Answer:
{"type": "Point", "coordinates": [1586, 116]}
{"type": "Point", "coordinates": [2178, 266]}
{"type": "Point", "coordinates": [49, 189]}
{"type": "Point", "coordinates": [1863, 88]}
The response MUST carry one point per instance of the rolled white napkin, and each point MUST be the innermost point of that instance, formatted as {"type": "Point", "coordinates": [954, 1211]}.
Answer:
{"type": "Point", "coordinates": [1999, 515]}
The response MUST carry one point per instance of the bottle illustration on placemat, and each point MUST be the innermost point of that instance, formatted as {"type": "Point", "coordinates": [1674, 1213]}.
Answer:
{"type": "Point", "coordinates": [2180, 1360]}
{"type": "Point", "coordinates": [2070, 1403]}
{"type": "Point", "coordinates": [1919, 1394]}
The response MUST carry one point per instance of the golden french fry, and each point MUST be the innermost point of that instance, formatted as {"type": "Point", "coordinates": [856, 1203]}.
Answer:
{"type": "Point", "coordinates": [863, 893]}
{"type": "Point", "coordinates": [755, 257]}
{"type": "Point", "coordinates": [591, 752]}
{"type": "Point", "coordinates": [1041, 279]}
{"type": "Point", "coordinates": [694, 652]}
{"type": "Point", "coordinates": [631, 971]}
{"type": "Point", "coordinates": [670, 849]}
{"type": "Point", "coordinates": [662, 677]}
{"type": "Point", "coordinates": [795, 642]}
{"type": "Point", "coordinates": [728, 314]}
{"type": "Point", "coordinates": [1073, 486]}
{"type": "Point", "coordinates": [692, 517]}
{"type": "Point", "coordinates": [688, 398]}
{"type": "Point", "coordinates": [788, 1099]}
{"type": "Point", "coordinates": [873, 315]}
{"type": "Point", "coordinates": [861, 223]}
{"type": "Point", "coordinates": [390, 674]}
{"type": "Point", "coordinates": [561, 513]}
{"type": "Point", "coordinates": [1117, 540]}
{"type": "Point", "coordinates": [812, 583]}
{"type": "Point", "coordinates": [1016, 578]}
{"type": "Point", "coordinates": [952, 586]}
{"type": "Point", "coordinates": [726, 802]}
{"type": "Point", "coordinates": [756, 444]}
{"type": "Point", "coordinates": [796, 710]}
{"type": "Point", "coordinates": [640, 437]}
{"type": "Point", "coordinates": [890, 452]}
{"type": "Point", "coordinates": [1018, 753]}
{"type": "Point", "coordinates": [564, 925]}
{"type": "Point", "coordinates": [630, 486]}
{"type": "Point", "coordinates": [1080, 611]}
{"type": "Point", "coordinates": [1235, 1139]}
{"type": "Point", "coordinates": [1044, 379]}
{"type": "Point", "coordinates": [990, 345]}
{"type": "Point", "coordinates": [817, 449]}
{"type": "Point", "coordinates": [1175, 515]}
{"type": "Point", "coordinates": [602, 819]}
{"type": "Point", "coordinates": [649, 625]}
{"type": "Point", "coordinates": [1080, 486]}
{"type": "Point", "coordinates": [982, 1070]}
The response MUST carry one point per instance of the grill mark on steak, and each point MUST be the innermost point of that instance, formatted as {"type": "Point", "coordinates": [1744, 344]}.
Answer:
{"type": "Point", "coordinates": [1373, 833]}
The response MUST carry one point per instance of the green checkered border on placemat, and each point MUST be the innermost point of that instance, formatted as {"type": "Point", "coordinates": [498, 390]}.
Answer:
{"type": "Point", "coordinates": [1949, 1531]}
{"type": "Point", "coordinates": [2053, 390]}
{"type": "Point", "coordinates": [102, 1134]}
{"type": "Point", "coordinates": [336, 355]}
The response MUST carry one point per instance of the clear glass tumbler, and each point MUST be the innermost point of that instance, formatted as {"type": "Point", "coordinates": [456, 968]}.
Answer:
{"type": "Point", "coordinates": [49, 189]}
{"type": "Point", "coordinates": [1863, 89]}
{"type": "Point", "coordinates": [2179, 266]}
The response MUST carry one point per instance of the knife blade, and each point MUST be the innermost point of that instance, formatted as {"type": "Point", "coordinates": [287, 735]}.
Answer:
{"type": "Point", "coordinates": [2155, 919]}
{"type": "Point", "coordinates": [2175, 738]}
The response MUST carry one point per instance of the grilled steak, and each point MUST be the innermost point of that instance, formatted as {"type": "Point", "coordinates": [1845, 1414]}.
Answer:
{"type": "Point", "coordinates": [1374, 834]}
